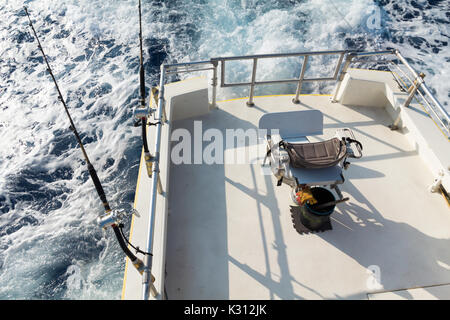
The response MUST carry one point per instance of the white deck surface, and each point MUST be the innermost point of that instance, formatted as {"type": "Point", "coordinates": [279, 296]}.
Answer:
{"type": "Point", "coordinates": [440, 292]}
{"type": "Point", "coordinates": [230, 234]}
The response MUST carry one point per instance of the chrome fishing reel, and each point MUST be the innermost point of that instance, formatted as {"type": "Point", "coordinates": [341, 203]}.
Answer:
{"type": "Point", "coordinates": [114, 217]}
{"type": "Point", "coordinates": [141, 112]}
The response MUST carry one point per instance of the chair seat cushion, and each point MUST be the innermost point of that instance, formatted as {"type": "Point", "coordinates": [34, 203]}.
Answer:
{"type": "Point", "coordinates": [315, 155]}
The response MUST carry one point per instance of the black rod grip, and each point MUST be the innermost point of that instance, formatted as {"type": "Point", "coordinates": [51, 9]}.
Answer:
{"type": "Point", "coordinates": [137, 263]}
{"type": "Point", "coordinates": [144, 135]}
{"type": "Point", "coordinates": [142, 83]}
{"type": "Point", "coordinates": [98, 186]}
{"type": "Point", "coordinates": [123, 244]}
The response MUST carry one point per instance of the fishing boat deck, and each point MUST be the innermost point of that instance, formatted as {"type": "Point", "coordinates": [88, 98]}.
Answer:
{"type": "Point", "coordinates": [230, 234]}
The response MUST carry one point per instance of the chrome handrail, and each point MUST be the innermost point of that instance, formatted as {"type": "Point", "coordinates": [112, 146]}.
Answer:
{"type": "Point", "coordinates": [298, 80]}
{"type": "Point", "coordinates": [156, 186]}
{"type": "Point", "coordinates": [432, 104]}
{"type": "Point", "coordinates": [417, 84]}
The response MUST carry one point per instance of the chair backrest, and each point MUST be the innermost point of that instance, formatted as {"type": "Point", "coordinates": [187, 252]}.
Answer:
{"type": "Point", "coordinates": [293, 123]}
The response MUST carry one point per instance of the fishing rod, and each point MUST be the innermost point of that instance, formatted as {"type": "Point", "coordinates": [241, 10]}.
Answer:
{"type": "Point", "coordinates": [142, 112]}
{"type": "Point", "coordinates": [110, 218]}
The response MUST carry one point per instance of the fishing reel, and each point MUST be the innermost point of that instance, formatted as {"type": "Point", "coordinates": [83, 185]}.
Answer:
{"type": "Point", "coordinates": [114, 217]}
{"type": "Point", "coordinates": [141, 112]}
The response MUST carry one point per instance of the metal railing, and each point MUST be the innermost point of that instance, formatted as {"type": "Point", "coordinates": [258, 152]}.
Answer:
{"type": "Point", "coordinates": [420, 90]}
{"type": "Point", "coordinates": [345, 59]}
{"type": "Point", "coordinates": [300, 80]}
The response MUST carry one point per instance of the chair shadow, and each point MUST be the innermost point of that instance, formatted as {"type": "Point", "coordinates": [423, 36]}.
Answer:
{"type": "Point", "coordinates": [198, 255]}
{"type": "Point", "coordinates": [405, 256]}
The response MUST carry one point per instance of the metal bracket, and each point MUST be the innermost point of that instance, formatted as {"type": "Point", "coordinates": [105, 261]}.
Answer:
{"type": "Point", "coordinates": [435, 186]}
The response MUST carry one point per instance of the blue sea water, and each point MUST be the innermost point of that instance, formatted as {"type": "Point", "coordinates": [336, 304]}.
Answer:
{"type": "Point", "coordinates": [50, 245]}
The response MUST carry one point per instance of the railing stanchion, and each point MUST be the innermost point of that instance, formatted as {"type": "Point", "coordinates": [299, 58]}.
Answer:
{"type": "Point", "coordinates": [222, 72]}
{"type": "Point", "coordinates": [338, 65]}
{"type": "Point", "coordinates": [300, 80]}
{"type": "Point", "coordinates": [214, 86]}
{"type": "Point", "coordinates": [250, 102]}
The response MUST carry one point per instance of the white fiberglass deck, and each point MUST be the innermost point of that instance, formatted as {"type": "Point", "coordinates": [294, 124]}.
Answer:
{"type": "Point", "coordinates": [230, 234]}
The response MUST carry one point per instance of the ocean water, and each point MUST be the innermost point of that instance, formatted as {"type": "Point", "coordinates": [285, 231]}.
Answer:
{"type": "Point", "coordinates": [50, 245]}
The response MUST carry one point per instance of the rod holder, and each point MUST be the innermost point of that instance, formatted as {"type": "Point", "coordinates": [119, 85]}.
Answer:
{"type": "Point", "coordinates": [164, 115]}
{"type": "Point", "coordinates": [159, 185]}
{"type": "Point", "coordinates": [155, 95]}
{"type": "Point", "coordinates": [149, 163]}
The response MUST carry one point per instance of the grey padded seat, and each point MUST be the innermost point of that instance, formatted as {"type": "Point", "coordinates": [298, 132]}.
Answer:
{"type": "Point", "coordinates": [295, 127]}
